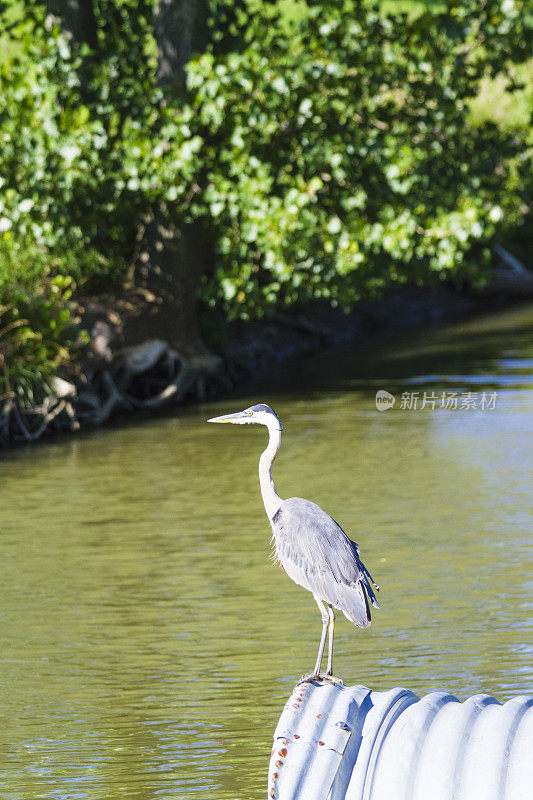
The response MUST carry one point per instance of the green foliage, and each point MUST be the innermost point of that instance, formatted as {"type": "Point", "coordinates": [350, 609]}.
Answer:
{"type": "Point", "coordinates": [342, 156]}
{"type": "Point", "coordinates": [506, 100]}
{"type": "Point", "coordinates": [37, 337]}
{"type": "Point", "coordinates": [326, 145]}
{"type": "Point", "coordinates": [63, 182]}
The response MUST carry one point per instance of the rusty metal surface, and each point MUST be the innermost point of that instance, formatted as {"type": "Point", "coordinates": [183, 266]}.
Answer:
{"type": "Point", "coordinates": [349, 743]}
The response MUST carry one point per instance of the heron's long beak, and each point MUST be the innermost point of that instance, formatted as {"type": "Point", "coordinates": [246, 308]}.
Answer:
{"type": "Point", "coordinates": [238, 418]}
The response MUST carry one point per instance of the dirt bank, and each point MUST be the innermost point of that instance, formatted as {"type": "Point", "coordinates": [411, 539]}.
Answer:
{"type": "Point", "coordinates": [127, 370]}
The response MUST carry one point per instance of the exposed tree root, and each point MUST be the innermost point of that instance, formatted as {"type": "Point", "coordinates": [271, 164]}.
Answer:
{"type": "Point", "coordinates": [146, 376]}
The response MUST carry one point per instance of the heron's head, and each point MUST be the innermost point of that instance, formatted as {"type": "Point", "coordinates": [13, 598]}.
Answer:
{"type": "Point", "coordinates": [258, 415]}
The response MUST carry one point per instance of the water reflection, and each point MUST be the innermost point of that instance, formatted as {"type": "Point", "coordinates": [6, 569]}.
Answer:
{"type": "Point", "coordinates": [147, 641]}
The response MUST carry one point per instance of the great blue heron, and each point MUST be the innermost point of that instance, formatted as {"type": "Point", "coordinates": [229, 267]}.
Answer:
{"type": "Point", "coordinates": [311, 547]}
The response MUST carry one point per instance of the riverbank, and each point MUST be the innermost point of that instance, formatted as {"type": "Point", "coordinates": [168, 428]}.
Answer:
{"type": "Point", "coordinates": [126, 371]}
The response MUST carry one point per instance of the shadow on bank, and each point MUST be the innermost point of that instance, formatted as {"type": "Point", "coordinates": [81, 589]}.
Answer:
{"type": "Point", "coordinates": [125, 376]}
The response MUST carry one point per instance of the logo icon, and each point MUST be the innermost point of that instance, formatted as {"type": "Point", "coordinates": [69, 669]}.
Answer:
{"type": "Point", "coordinates": [384, 400]}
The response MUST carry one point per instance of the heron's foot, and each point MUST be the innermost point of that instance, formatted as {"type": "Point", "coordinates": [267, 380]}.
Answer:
{"type": "Point", "coordinates": [309, 677]}
{"type": "Point", "coordinates": [320, 678]}
{"type": "Point", "coordinates": [332, 679]}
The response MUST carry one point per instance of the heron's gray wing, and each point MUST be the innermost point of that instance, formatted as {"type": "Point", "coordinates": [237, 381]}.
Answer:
{"type": "Point", "coordinates": [316, 553]}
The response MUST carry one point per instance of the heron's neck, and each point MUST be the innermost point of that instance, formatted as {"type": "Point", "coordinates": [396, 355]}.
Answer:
{"type": "Point", "coordinates": [271, 499]}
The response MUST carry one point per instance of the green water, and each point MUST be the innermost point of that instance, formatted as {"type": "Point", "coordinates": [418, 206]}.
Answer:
{"type": "Point", "coordinates": [148, 643]}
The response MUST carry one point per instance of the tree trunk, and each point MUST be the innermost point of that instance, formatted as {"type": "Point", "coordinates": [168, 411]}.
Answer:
{"type": "Point", "coordinates": [169, 265]}
{"type": "Point", "coordinates": [77, 19]}
{"type": "Point", "coordinates": [175, 258]}
{"type": "Point", "coordinates": [181, 30]}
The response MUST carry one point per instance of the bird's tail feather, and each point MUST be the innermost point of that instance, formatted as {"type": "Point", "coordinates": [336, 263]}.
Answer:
{"type": "Point", "coordinates": [369, 576]}
{"type": "Point", "coordinates": [368, 589]}
{"type": "Point", "coordinates": [366, 578]}
{"type": "Point", "coordinates": [353, 602]}
{"type": "Point", "coordinates": [366, 574]}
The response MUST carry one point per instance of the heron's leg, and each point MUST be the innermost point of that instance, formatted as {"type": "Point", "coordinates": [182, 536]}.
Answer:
{"type": "Point", "coordinates": [315, 675]}
{"type": "Point", "coordinates": [331, 625]}
{"type": "Point", "coordinates": [325, 623]}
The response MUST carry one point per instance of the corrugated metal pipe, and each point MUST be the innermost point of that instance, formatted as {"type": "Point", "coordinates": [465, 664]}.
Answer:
{"type": "Point", "coordinates": [336, 742]}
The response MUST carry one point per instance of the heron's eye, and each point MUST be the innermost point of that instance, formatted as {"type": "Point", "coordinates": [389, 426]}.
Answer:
{"type": "Point", "coordinates": [250, 413]}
